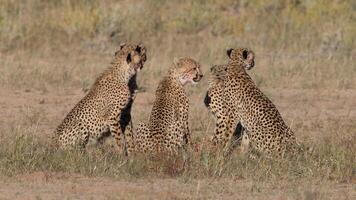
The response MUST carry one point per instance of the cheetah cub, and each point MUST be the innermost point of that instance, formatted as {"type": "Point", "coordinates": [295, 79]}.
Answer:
{"type": "Point", "coordinates": [99, 112]}
{"type": "Point", "coordinates": [167, 129]}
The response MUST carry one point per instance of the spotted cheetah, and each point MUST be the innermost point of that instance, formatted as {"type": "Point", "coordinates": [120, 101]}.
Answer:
{"type": "Point", "coordinates": [242, 101]}
{"type": "Point", "coordinates": [167, 129]}
{"type": "Point", "coordinates": [214, 101]}
{"type": "Point", "coordinates": [100, 111]}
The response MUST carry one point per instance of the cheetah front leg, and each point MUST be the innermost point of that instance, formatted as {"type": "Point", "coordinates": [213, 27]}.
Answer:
{"type": "Point", "coordinates": [187, 134]}
{"type": "Point", "coordinates": [115, 110]}
{"type": "Point", "coordinates": [116, 132]}
{"type": "Point", "coordinates": [220, 130]}
{"type": "Point", "coordinates": [130, 137]}
{"type": "Point", "coordinates": [215, 103]}
{"type": "Point", "coordinates": [179, 141]}
{"type": "Point", "coordinates": [240, 138]}
{"type": "Point", "coordinates": [244, 142]}
{"type": "Point", "coordinates": [114, 126]}
{"type": "Point", "coordinates": [143, 139]}
{"type": "Point", "coordinates": [229, 140]}
{"type": "Point", "coordinates": [182, 129]}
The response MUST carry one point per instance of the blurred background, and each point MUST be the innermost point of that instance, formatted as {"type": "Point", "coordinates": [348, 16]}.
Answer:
{"type": "Point", "coordinates": [309, 43]}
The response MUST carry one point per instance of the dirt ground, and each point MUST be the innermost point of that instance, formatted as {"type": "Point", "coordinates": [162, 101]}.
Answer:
{"type": "Point", "coordinates": [295, 105]}
{"type": "Point", "coordinates": [42, 185]}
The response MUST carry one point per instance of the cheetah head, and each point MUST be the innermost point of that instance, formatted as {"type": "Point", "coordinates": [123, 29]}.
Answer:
{"type": "Point", "coordinates": [218, 72]}
{"type": "Point", "coordinates": [187, 70]}
{"type": "Point", "coordinates": [134, 56]}
{"type": "Point", "coordinates": [242, 56]}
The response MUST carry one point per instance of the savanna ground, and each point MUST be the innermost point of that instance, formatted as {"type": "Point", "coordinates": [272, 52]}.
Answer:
{"type": "Point", "coordinates": [51, 52]}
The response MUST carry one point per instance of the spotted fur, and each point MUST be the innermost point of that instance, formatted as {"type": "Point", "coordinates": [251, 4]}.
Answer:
{"type": "Point", "coordinates": [215, 102]}
{"type": "Point", "coordinates": [235, 98]}
{"type": "Point", "coordinates": [168, 128]}
{"type": "Point", "coordinates": [100, 112]}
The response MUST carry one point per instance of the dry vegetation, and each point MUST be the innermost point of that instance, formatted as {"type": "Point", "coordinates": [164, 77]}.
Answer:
{"type": "Point", "coordinates": [51, 52]}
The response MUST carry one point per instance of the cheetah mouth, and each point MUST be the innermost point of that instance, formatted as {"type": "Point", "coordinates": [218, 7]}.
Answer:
{"type": "Point", "coordinates": [196, 79]}
{"type": "Point", "coordinates": [138, 67]}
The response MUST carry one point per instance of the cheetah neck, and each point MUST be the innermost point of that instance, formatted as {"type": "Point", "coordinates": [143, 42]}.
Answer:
{"type": "Point", "coordinates": [236, 69]}
{"type": "Point", "coordinates": [175, 78]}
{"type": "Point", "coordinates": [237, 73]}
{"type": "Point", "coordinates": [122, 73]}
{"type": "Point", "coordinates": [176, 82]}
{"type": "Point", "coordinates": [169, 84]}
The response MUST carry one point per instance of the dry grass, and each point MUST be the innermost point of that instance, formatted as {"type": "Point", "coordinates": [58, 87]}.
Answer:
{"type": "Point", "coordinates": [51, 51]}
{"type": "Point", "coordinates": [332, 158]}
{"type": "Point", "coordinates": [310, 44]}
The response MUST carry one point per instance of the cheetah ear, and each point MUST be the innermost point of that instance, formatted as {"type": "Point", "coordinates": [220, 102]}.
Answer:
{"type": "Point", "coordinates": [176, 61]}
{"type": "Point", "coordinates": [245, 53]}
{"type": "Point", "coordinates": [128, 58]}
{"type": "Point", "coordinates": [122, 45]}
{"type": "Point", "coordinates": [138, 49]}
{"type": "Point", "coordinates": [250, 57]}
{"type": "Point", "coordinates": [141, 48]}
{"type": "Point", "coordinates": [228, 52]}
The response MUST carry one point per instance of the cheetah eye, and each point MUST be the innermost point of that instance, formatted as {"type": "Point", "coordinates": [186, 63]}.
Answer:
{"type": "Point", "coordinates": [192, 69]}
{"type": "Point", "coordinates": [244, 54]}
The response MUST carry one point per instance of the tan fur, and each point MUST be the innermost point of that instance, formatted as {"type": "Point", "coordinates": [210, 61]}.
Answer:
{"type": "Point", "coordinates": [167, 128]}
{"type": "Point", "coordinates": [99, 112]}
{"type": "Point", "coordinates": [234, 99]}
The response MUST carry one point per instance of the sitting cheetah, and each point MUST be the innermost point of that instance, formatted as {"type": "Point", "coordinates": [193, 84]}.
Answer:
{"type": "Point", "coordinates": [214, 101]}
{"type": "Point", "coordinates": [243, 102]}
{"type": "Point", "coordinates": [167, 129]}
{"type": "Point", "coordinates": [99, 112]}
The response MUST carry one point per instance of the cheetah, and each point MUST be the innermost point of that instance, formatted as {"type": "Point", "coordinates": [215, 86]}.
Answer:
{"type": "Point", "coordinates": [242, 101]}
{"type": "Point", "coordinates": [214, 101]}
{"type": "Point", "coordinates": [99, 113]}
{"type": "Point", "coordinates": [167, 129]}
